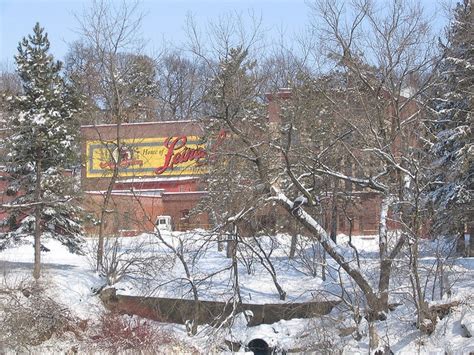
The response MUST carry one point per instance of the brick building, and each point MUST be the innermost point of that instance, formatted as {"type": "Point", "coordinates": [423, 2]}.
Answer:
{"type": "Point", "coordinates": [160, 165]}
{"type": "Point", "coordinates": [364, 208]}
{"type": "Point", "coordinates": [4, 198]}
{"type": "Point", "coordinates": [160, 174]}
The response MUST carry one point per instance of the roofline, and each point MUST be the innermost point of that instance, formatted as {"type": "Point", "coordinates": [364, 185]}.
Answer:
{"type": "Point", "coordinates": [136, 193]}
{"type": "Point", "coordinates": [147, 179]}
{"type": "Point", "coordinates": [185, 192]}
{"type": "Point", "coordinates": [138, 123]}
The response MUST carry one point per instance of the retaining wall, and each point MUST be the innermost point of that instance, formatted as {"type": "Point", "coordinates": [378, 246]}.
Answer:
{"type": "Point", "coordinates": [173, 310]}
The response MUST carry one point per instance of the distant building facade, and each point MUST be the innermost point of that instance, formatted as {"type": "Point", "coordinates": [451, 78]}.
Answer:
{"type": "Point", "coordinates": [160, 165]}
{"type": "Point", "coordinates": [160, 172]}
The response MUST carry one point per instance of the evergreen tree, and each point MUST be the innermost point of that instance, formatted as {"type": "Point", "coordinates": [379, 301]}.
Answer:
{"type": "Point", "coordinates": [40, 146]}
{"type": "Point", "coordinates": [453, 148]}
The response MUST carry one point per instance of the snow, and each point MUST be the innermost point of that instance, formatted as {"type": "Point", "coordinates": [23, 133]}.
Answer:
{"type": "Point", "coordinates": [408, 92]}
{"type": "Point", "coordinates": [72, 280]}
{"type": "Point", "coordinates": [467, 321]}
{"type": "Point", "coordinates": [70, 274]}
{"type": "Point", "coordinates": [255, 288]}
{"type": "Point", "coordinates": [305, 216]}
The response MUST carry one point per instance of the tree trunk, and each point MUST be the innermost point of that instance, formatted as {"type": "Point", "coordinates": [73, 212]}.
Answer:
{"type": "Point", "coordinates": [334, 213]}
{"type": "Point", "coordinates": [103, 215]}
{"type": "Point", "coordinates": [373, 337]}
{"type": "Point", "coordinates": [323, 267]}
{"type": "Point", "coordinates": [373, 302]}
{"type": "Point", "coordinates": [294, 241]}
{"type": "Point", "coordinates": [280, 290]}
{"type": "Point", "coordinates": [384, 282]}
{"type": "Point", "coordinates": [385, 259]}
{"type": "Point", "coordinates": [231, 245]}
{"type": "Point", "coordinates": [235, 270]}
{"type": "Point", "coordinates": [38, 216]}
{"type": "Point", "coordinates": [461, 244]}
{"type": "Point", "coordinates": [235, 265]}
{"type": "Point", "coordinates": [108, 196]}
{"type": "Point", "coordinates": [220, 243]}
{"type": "Point", "coordinates": [471, 240]}
{"type": "Point", "coordinates": [197, 304]}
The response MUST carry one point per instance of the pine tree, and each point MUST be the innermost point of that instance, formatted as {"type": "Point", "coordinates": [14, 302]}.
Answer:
{"type": "Point", "coordinates": [40, 146]}
{"type": "Point", "coordinates": [453, 149]}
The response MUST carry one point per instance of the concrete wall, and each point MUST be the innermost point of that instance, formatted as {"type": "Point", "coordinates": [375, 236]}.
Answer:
{"type": "Point", "coordinates": [173, 310]}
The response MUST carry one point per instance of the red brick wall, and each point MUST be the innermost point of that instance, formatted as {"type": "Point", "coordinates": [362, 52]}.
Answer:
{"type": "Point", "coordinates": [3, 196]}
{"type": "Point", "coordinates": [178, 206]}
{"type": "Point", "coordinates": [167, 185]}
{"type": "Point", "coordinates": [139, 213]}
{"type": "Point", "coordinates": [136, 214]}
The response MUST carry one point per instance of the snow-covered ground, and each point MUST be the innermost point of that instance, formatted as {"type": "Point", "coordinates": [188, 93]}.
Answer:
{"type": "Point", "coordinates": [71, 281]}
{"type": "Point", "coordinates": [210, 271]}
{"type": "Point", "coordinates": [71, 276]}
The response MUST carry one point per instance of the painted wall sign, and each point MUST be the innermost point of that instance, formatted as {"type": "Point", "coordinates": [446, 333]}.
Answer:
{"type": "Point", "coordinates": [170, 156]}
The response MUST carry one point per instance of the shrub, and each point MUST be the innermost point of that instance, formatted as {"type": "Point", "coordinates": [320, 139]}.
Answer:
{"type": "Point", "coordinates": [118, 332]}
{"type": "Point", "coordinates": [29, 317]}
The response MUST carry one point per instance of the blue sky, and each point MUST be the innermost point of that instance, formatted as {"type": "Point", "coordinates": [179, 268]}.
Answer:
{"type": "Point", "coordinates": [164, 19]}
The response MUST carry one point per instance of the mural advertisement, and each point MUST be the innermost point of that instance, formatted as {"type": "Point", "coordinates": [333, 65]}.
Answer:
{"type": "Point", "coordinates": [167, 156]}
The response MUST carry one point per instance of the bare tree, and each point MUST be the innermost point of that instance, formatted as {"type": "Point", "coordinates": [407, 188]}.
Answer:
{"type": "Point", "coordinates": [10, 83]}
{"type": "Point", "coordinates": [181, 85]}
{"type": "Point", "coordinates": [378, 53]}
{"type": "Point", "coordinates": [355, 126]}
{"type": "Point", "coordinates": [109, 33]}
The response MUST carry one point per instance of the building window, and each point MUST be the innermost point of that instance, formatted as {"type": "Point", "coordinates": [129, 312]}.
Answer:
{"type": "Point", "coordinates": [126, 220]}
{"type": "Point", "coordinates": [342, 222]}
{"type": "Point", "coordinates": [184, 188]}
{"type": "Point", "coordinates": [185, 214]}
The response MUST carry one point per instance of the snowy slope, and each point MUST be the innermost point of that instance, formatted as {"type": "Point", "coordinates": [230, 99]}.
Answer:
{"type": "Point", "coordinates": [72, 280]}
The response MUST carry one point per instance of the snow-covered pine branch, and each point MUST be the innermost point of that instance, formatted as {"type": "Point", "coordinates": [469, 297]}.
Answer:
{"type": "Point", "coordinates": [40, 147]}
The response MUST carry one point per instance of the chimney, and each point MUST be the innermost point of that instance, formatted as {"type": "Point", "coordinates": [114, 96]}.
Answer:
{"type": "Point", "coordinates": [274, 100]}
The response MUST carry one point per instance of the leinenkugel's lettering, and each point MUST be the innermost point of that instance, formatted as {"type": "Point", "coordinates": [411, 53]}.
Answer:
{"type": "Point", "coordinates": [178, 153]}
{"type": "Point", "coordinates": [169, 156]}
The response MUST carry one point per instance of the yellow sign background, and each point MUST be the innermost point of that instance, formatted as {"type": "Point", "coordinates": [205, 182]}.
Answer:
{"type": "Point", "coordinates": [145, 155]}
